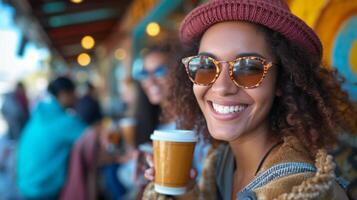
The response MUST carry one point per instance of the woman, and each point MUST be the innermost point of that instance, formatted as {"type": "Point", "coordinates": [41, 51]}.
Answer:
{"type": "Point", "coordinates": [154, 81]}
{"type": "Point", "coordinates": [255, 82]}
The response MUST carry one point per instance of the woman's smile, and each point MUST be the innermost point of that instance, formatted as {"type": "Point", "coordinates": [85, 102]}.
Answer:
{"type": "Point", "coordinates": [226, 111]}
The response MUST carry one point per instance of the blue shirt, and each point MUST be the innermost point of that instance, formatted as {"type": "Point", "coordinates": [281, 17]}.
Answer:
{"type": "Point", "coordinates": [44, 149]}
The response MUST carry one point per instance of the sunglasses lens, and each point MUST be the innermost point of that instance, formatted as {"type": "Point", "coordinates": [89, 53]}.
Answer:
{"type": "Point", "coordinates": [143, 75]}
{"type": "Point", "coordinates": [202, 70]}
{"type": "Point", "coordinates": [248, 72]}
{"type": "Point", "coordinates": [161, 71]}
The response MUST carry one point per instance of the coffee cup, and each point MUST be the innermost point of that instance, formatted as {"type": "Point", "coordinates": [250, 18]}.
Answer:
{"type": "Point", "coordinates": [115, 139]}
{"type": "Point", "coordinates": [173, 153]}
{"type": "Point", "coordinates": [128, 129]}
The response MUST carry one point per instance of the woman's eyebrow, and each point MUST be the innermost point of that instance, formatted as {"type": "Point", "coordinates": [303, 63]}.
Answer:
{"type": "Point", "coordinates": [238, 56]}
{"type": "Point", "coordinates": [207, 54]}
{"type": "Point", "coordinates": [250, 54]}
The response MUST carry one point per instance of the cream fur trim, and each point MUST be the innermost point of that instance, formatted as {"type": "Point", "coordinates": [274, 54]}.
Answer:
{"type": "Point", "coordinates": [317, 186]}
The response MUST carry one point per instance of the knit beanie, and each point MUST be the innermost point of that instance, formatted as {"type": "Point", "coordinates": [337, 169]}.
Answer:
{"type": "Point", "coordinates": [273, 14]}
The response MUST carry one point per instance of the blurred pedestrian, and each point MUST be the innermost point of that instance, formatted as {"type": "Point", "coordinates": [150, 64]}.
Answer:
{"type": "Point", "coordinates": [47, 141]}
{"type": "Point", "coordinates": [15, 110]}
{"type": "Point", "coordinates": [82, 183]}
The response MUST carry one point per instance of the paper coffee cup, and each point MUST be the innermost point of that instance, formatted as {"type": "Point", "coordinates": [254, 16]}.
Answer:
{"type": "Point", "coordinates": [113, 133]}
{"type": "Point", "coordinates": [173, 153]}
{"type": "Point", "coordinates": [128, 128]}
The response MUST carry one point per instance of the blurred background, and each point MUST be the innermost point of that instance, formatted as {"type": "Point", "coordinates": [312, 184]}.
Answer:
{"type": "Point", "coordinates": [101, 42]}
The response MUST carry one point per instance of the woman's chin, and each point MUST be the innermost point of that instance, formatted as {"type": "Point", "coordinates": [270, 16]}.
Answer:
{"type": "Point", "coordinates": [155, 100]}
{"type": "Point", "coordinates": [224, 137]}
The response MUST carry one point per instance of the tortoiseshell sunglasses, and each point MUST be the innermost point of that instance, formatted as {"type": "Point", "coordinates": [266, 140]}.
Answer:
{"type": "Point", "coordinates": [246, 72]}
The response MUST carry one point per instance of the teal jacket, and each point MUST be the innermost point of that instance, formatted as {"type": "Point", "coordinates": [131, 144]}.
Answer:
{"type": "Point", "coordinates": [44, 149]}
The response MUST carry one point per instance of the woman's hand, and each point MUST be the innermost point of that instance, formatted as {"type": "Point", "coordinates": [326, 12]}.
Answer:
{"type": "Point", "coordinates": [140, 167]}
{"type": "Point", "coordinates": [150, 172]}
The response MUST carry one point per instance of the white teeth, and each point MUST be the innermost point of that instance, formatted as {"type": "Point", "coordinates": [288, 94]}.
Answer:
{"type": "Point", "coordinates": [231, 109]}
{"type": "Point", "coordinates": [228, 109]}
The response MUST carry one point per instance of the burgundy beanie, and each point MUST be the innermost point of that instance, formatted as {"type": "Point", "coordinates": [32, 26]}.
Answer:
{"type": "Point", "coordinates": [274, 14]}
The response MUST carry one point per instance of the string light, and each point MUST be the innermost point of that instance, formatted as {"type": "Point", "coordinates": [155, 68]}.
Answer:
{"type": "Point", "coordinates": [88, 42]}
{"type": "Point", "coordinates": [153, 29]}
{"type": "Point", "coordinates": [83, 59]}
{"type": "Point", "coordinates": [76, 1]}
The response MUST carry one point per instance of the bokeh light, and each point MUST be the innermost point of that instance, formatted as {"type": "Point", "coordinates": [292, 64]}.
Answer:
{"type": "Point", "coordinates": [120, 54]}
{"type": "Point", "coordinates": [153, 29]}
{"type": "Point", "coordinates": [76, 1]}
{"type": "Point", "coordinates": [88, 42]}
{"type": "Point", "coordinates": [83, 59]}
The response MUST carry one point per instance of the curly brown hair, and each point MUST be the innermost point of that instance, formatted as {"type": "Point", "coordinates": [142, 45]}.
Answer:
{"type": "Point", "coordinates": [311, 105]}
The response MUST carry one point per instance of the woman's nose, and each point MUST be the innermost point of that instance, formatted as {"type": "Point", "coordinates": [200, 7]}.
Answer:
{"type": "Point", "coordinates": [224, 85]}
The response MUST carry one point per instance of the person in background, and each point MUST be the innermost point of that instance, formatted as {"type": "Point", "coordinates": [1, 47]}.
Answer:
{"type": "Point", "coordinates": [46, 142]}
{"type": "Point", "coordinates": [154, 81]}
{"type": "Point", "coordinates": [15, 110]}
{"type": "Point", "coordinates": [8, 188]}
{"type": "Point", "coordinates": [91, 91]}
{"type": "Point", "coordinates": [88, 174]}
{"type": "Point", "coordinates": [82, 183]}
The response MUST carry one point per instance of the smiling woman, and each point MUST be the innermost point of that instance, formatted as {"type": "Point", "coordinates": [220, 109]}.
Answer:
{"type": "Point", "coordinates": [252, 78]}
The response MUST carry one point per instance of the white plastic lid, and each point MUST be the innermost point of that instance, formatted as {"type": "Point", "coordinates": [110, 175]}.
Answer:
{"type": "Point", "coordinates": [174, 135]}
{"type": "Point", "coordinates": [147, 148]}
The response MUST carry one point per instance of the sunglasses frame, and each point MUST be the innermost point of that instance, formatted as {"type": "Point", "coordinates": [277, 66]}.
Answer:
{"type": "Point", "coordinates": [266, 65]}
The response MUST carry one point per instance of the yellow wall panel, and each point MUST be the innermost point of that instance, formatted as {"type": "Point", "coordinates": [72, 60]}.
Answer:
{"type": "Point", "coordinates": [308, 10]}
{"type": "Point", "coordinates": [331, 19]}
{"type": "Point", "coordinates": [325, 17]}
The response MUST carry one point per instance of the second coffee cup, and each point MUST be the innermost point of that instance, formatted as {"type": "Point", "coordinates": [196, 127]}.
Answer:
{"type": "Point", "coordinates": [128, 128]}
